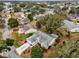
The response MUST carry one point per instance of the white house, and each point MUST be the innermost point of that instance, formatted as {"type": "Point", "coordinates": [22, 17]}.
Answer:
{"type": "Point", "coordinates": [71, 26]}
{"type": "Point", "coordinates": [43, 39]}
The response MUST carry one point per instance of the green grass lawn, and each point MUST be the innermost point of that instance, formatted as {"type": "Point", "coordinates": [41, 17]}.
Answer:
{"type": "Point", "coordinates": [20, 37]}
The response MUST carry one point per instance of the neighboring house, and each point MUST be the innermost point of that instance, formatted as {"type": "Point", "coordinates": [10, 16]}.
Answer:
{"type": "Point", "coordinates": [77, 18]}
{"type": "Point", "coordinates": [38, 17]}
{"type": "Point", "coordinates": [24, 21]}
{"type": "Point", "coordinates": [75, 30]}
{"type": "Point", "coordinates": [25, 28]}
{"type": "Point", "coordinates": [19, 14]}
{"type": "Point", "coordinates": [71, 26]}
{"type": "Point", "coordinates": [11, 54]}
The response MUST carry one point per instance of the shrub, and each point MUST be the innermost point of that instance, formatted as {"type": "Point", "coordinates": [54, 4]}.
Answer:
{"type": "Point", "coordinates": [36, 52]}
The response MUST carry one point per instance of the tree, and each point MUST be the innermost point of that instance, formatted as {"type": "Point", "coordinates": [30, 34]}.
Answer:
{"type": "Point", "coordinates": [57, 9]}
{"type": "Point", "coordinates": [1, 8]}
{"type": "Point", "coordinates": [77, 10]}
{"type": "Point", "coordinates": [2, 25]}
{"type": "Point", "coordinates": [3, 45]}
{"type": "Point", "coordinates": [22, 5]}
{"type": "Point", "coordinates": [37, 10]}
{"type": "Point", "coordinates": [30, 17]}
{"type": "Point", "coordinates": [1, 3]}
{"type": "Point", "coordinates": [12, 22]}
{"type": "Point", "coordinates": [51, 22]}
{"type": "Point", "coordinates": [68, 49]}
{"type": "Point", "coordinates": [17, 9]}
{"type": "Point", "coordinates": [36, 52]}
{"type": "Point", "coordinates": [41, 11]}
{"type": "Point", "coordinates": [43, 5]}
{"type": "Point", "coordinates": [64, 8]}
{"type": "Point", "coordinates": [9, 42]}
{"type": "Point", "coordinates": [72, 11]}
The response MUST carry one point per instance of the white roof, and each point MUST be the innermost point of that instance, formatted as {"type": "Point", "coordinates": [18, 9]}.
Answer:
{"type": "Point", "coordinates": [22, 48]}
{"type": "Point", "coordinates": [75, 30]}
{"type": "Point", "coordinates": [43, 39]}
{"type": "Point", "coordinates": [72, 27]}
{"type": "Point", "coordinates": [47, 40]}
{"type": "Point", "coordinates": [31, 31]}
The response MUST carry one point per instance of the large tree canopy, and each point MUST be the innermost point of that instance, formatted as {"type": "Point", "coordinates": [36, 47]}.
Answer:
{"type": "Point", "coordinates": [12, 22]}
{"type": "Point", "coordinates": [17, 9]}
{"type": "Point", "coordinates": [51, 22]}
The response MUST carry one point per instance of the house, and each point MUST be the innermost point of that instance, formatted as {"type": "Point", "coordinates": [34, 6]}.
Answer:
{"type": "Point", "coordinates": [11, 54]}
{"type": "Point", "coordinates": [38, 17]}
{"type": "Point", "coordinates": [33, 40]}
{"type": "Point", "coordinates": [46, 40]}
{"type": "Point", "coordinates": [19, 15]}
{"type": "Point", "coordinates": [75, 30]}
{"type": "Point", "coordinates": [22, 48]}
{"type": "Point", "coordinates": [71, 26]}
{"type": "Point", "coordinates": [77, 18]}
{"type": "Point", "coordinates": [25, 28]}
{"type": "Point", "coordinates": [43, 39]}
{"type": "Point", "coordinates": [24, 20]}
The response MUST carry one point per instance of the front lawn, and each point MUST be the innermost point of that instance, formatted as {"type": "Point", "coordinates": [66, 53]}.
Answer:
{"type": "Point", "coordinates": [19, 37]}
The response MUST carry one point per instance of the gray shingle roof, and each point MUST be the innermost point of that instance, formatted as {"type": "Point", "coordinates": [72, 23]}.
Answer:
{"type": "Point", "coordinates": [70, 25]}
{"type": "Point", "coordinates": [43, 39]}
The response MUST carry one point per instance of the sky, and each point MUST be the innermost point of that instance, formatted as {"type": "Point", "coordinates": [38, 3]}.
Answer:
{"type": "Point", "coordinates": [39, 0]}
